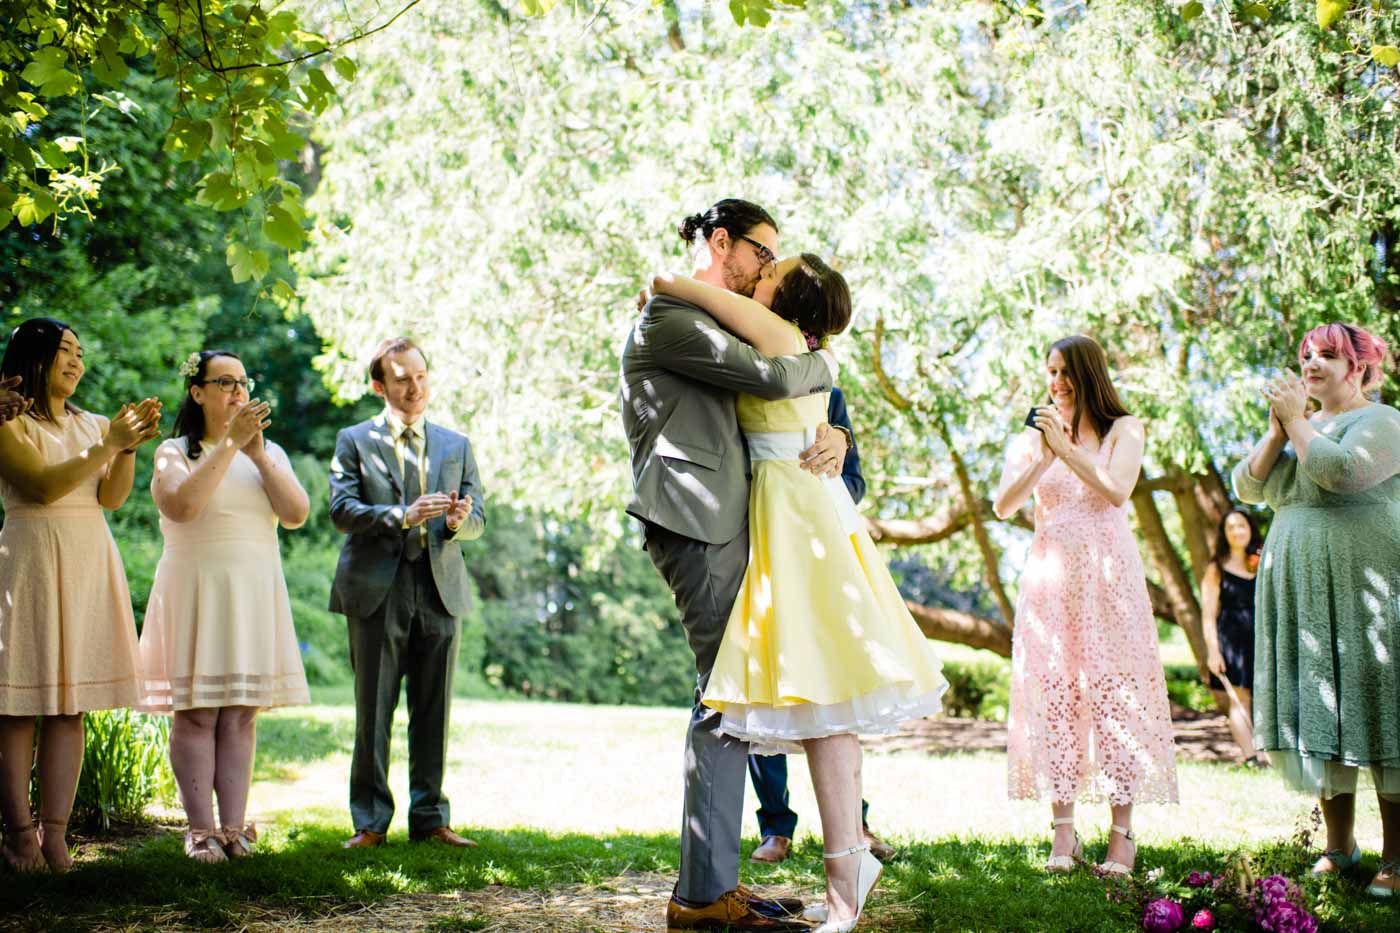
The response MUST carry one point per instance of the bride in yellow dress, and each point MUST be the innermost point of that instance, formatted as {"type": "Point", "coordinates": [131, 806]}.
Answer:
{"type": "Point", "coordinates": [819, 646]}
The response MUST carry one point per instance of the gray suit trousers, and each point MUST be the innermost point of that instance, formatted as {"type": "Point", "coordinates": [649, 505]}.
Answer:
{"type": "Point", "coordinates": [705, 579]}
{"type": "Point", "coordinates": [410, 638]}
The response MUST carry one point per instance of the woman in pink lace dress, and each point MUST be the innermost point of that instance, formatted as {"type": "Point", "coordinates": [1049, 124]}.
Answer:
{"type": "Point", "coordinates": [1089, 718]}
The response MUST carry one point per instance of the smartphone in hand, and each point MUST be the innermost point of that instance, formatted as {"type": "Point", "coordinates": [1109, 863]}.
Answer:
{"type": "Point", "coordinates": [1030, 420]}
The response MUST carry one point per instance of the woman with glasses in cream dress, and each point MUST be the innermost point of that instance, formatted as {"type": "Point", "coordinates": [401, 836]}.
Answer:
{"type": "Point", "coordinates": [218, 642]}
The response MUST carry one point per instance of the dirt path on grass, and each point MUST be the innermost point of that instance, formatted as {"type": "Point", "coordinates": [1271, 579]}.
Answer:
{"type": "Point", "coordinates": [1199, 737]}
{"type": "Point", "coordinates": [630, 903]}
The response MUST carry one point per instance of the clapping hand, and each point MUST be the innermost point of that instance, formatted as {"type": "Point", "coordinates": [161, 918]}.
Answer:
{"type": "Point", "coordinates": [135, 424]}
{"type": "Point", "coordinates": [1286, 397]}
{"type": "Point", "coordinates": [246, 426]}
{"type": "Point", "coordinates": [458, 508]}
{"type": "Point", "coordinates": [428, 507]}
{"type": "Point", "coordinates": [1052, 430]}
{"type": "Point", "coordinates": [12, 404]}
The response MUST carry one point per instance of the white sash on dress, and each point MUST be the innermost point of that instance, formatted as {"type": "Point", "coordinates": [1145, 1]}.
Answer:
{"type": "Point", "coordinates": [788, 445]}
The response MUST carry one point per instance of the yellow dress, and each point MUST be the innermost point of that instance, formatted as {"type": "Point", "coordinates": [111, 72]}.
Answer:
{"type": "Point", "coordinates": [819, 641]}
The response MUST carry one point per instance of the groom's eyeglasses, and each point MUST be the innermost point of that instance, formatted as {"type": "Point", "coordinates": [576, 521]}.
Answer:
{"type": "Point", "coordinates": [228, 383]}
{"type": "Point", "coordinates": [765, 255]}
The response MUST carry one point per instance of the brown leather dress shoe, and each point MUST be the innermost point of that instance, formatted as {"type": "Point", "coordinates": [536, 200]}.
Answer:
{"type": "Point", "coordinates": [772, 850]}
{"type": "Point", "coordinates": [364, 839]}
{"type": "Point", "coordinates": [730, 912]}
{"type": "Point", "coordinates": [879, 848]}
{"type": "Point", "coordinates": [444, 835]}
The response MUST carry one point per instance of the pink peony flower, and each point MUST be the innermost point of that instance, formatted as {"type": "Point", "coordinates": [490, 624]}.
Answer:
{"type": "Point", "coordinates": [1203, 920]}
{"type": "Point", "coordinates": [1162, 915]}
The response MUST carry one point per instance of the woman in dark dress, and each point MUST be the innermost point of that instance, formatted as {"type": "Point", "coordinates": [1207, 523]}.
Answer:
{"type": "Point", "coordinates": [1227, 607]}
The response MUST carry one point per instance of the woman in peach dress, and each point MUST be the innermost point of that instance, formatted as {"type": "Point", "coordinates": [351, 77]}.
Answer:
{"type": "Point", "coordinates": [67, 636]}
{"type": "Point", "coordinates": [1089, 718]}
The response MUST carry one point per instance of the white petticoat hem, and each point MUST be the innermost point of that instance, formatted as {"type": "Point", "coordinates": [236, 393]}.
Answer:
{"type": "Point", "coordinates": [779, 730]}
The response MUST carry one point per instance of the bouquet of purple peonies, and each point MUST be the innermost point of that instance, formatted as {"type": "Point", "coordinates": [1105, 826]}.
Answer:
{"type": "Point", "coordinates": [1230, 900]}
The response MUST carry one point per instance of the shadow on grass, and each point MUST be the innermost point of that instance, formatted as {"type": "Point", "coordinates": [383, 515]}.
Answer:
{"type": "Point", "coordinates": [301, 874]}
{"type": "Point", "coordinates": [284, 743]}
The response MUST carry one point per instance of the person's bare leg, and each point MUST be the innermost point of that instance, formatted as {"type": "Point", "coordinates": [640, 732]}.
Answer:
{"type": "Point", "coordinates": [834, 762]}
{"type": "Point", "coordinates": [1339, 816]}
{"type": "Point", "coordinates": [16, 762]}
{"type": "Point", "coordinates": [1120, 848]}
{"type": "Point", "coordinates": [236, 740]}
{"type": "Point", "coordinates": [1390, 843]}
{"type": "Point", "coordinates": [1064, 833]}
{"type": "Point", "coordinates": [192, 760]}
{"type": "Point", "coordinates": [1240, 718]}
{"type": "Point", "coordinates": [1390, 828]}
{"type": "Point", "coordinates": [60, 763]}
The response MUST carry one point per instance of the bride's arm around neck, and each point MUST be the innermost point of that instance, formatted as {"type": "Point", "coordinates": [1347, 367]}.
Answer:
{"type": "Point", "coordinates": [765, 331]}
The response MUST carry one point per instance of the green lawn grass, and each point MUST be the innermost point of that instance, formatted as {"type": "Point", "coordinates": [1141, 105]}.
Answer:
{"type": "Point", "coordinates": [561, 795]}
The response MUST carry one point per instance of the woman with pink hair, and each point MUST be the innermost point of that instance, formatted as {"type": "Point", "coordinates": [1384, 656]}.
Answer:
{"type": "Point", "coordinates": [1327, 604]}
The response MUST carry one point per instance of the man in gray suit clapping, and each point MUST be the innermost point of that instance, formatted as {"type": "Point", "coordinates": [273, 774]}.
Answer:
{"type": "Point", "coordinates": [690, 470]}
{"type": "Point", "coordinates": [404, 492]}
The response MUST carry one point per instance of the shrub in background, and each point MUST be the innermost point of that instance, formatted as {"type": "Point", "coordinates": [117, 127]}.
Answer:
{"type": "Point", "coordinates": [978, 689]}
{"type": "Point", "coordinates": [126, 767]}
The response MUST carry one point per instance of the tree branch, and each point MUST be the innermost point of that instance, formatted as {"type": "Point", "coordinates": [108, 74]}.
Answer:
{"type": "Point", "coordinates": [962, 628]}
{"type": "Point", "coordinates": [331, 47]}
{"type": "Point", "coordinates": [886, 384]}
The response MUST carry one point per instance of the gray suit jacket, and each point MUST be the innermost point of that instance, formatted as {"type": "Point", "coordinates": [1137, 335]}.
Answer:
{"type": "Point", "coordinates": [367, 504]}
{"type": "Point", "coordinates": [680, 374]}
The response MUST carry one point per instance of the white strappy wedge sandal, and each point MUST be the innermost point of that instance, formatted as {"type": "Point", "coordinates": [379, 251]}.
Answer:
{"type": "Point", "coordinates": [1060, 864]}
{"type": "Point", "coordinates": [867, 874]}
{"type": "Point", "coordinates": [1118, 868]}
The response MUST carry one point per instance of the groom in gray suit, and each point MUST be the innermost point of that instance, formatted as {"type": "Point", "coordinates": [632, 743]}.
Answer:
{"type": "Point", "coordinates": [690, 469]}
{"type": "Point", "coordinates": [404, 492]}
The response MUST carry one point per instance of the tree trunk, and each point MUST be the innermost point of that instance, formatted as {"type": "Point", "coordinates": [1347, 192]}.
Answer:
{"type": "Point", "coordinates": [1193, 525]}
{"type": "Point", "coordinates": [991, 560]}
{"type": "Point", "coordinates": [1175, 583]}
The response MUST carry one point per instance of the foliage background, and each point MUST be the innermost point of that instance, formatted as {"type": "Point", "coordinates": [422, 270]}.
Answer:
{"type": "Point", "coordinates": [1193, 183]}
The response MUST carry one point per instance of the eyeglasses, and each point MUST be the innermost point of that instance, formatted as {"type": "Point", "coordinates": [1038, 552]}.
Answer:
{"type": "Point", "coordinates": [765, 255]}
{"type": "Point", "coordinates": [228, 383]}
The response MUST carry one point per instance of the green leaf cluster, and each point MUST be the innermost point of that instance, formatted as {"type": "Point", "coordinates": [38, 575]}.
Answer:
{"type": "Point", "coordinates": [1193, 194]}
{"type": "Point", "coordinates": [247, 81]}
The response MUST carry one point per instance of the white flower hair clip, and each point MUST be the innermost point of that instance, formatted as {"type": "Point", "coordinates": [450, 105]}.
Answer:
{"type": "Point", "coordinates": [191, 365]}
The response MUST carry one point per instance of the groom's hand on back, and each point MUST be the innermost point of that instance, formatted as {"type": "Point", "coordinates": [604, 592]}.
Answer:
{"type": "Point", "coordinates": [824, 458]}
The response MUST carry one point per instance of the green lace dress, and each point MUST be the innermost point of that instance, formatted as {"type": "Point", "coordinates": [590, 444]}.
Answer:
{"type": "Point", "coordinates": [1327, 606]}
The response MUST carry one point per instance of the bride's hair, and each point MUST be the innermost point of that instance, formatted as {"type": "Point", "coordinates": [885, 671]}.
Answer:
{"type": "Point", "coordinates": [732, 214]}
{"type": "Point", "coordinates": [815, 297]}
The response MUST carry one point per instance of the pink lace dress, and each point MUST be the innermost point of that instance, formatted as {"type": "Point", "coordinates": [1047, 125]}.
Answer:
{"type": "Point", "coordinates": [1089, 718]}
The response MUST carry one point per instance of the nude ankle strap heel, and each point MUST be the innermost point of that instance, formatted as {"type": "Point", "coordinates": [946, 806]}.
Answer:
{"type": "Point", "coordinates": [1118, 868]}
{"type": "Point", "coordinates": [1061, 864]}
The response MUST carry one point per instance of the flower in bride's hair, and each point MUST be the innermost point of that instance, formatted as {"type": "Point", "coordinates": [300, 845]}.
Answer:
{"type": "Point", "coordinates": [191, 365]}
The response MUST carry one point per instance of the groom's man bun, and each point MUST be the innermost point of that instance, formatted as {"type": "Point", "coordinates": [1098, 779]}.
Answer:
{"type": "Point", "coordinates": [733, 214]}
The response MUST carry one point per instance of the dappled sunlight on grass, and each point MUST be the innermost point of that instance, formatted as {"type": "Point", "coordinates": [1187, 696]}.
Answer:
{"type": "Point", "coordinates": [578, 801]}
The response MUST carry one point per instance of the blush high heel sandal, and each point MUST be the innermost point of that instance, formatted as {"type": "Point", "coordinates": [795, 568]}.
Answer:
{"type": "Point", "coordinates": [867, 874]}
